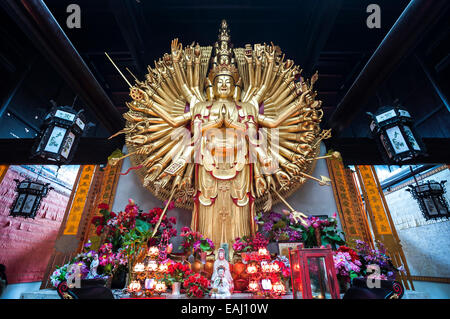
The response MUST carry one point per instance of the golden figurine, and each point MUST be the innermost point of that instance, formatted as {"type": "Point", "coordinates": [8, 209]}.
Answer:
{"type": "Point", "coordinates": [223, 131]}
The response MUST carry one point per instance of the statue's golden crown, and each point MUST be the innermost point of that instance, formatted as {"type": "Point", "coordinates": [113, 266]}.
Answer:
{"type": "Point", "coordinates": [224, 69]}
{"type": "Point", "coordinates": [223, 61]}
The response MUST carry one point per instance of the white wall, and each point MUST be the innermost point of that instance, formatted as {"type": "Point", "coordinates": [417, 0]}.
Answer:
{"type": "Point", "coordinates": [310, 198]}
{"type": "Point", "coordinates": [426, 243]}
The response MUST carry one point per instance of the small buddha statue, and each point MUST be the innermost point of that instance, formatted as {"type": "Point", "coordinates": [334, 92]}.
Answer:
{"type": "Point", "coordinates": [221, 287]}
{"type": "Point", "coordinates": [93, 268]}
{"type": "Point", "coordinates": [222, 271]}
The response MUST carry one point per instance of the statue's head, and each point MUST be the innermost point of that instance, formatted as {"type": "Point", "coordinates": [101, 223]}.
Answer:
{"type": "Point", "coordinates": [223, 86]}
{"type": "Point", "coordinates": [221, 271]}
{"type": "Point", "coordinates": [221, 253]}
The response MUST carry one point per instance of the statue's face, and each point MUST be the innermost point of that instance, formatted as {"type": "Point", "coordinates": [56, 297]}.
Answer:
{"type": "Point", "coordinates": [221, 255]}
{"type": "Point", "coordinates": [221, 272]}
{"type": "Point", "coordinates": [222, 86]}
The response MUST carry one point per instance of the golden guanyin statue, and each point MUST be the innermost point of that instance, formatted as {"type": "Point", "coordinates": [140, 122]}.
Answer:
{"type": "Point", "coordinates": [224, 132]}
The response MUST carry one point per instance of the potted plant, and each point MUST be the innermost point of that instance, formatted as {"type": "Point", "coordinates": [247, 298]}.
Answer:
{"type": "Point", "coordinates": [348, 266]}
{"type": "Point", "coordinates": [196, 286]}
{"type": "Point", "coordinates": [378, 257]}
{"type": "Point", "coordinates": [176, 274]}
{"type": "Point", "coordinates": [277, 228]}
{"type": "Point", "coordinates": [320, 232]}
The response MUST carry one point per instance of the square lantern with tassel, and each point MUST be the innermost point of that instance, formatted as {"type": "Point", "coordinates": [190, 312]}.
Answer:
{"type": "Point", "coordinates": [431, 198]}
{"type": "Point", "coordinates": [60, 135]}
{"type": "Point", "coordinates": [29, 196]}
{"type": "Point", "coordinates": [392, 128]}
{"type": "Point", "coordinates": [313, 275]}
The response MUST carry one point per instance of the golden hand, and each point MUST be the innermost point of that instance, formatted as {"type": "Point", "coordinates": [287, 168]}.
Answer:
{"type": "Point", "coordinates": [188, 54]}
{"type": "Point", "coordinates": [197, 53]}
{"type": "Point", "coordinates": [177, 49]}
{"type": "Point", "coordinates": [271, 182]}
{"type": "Point", "coordinates": [282, 178]}
{"type": "Point", "coordinates": [260, 185]}
{"type": "Point", "coordinates": [292, 168]}
{"type": "Point", "coordinates": [145, 150]}
{"type": "Point", "coordinates": [154, 171]}
{"type": "Point", "coordinates": [139, 95]}
{"type": "Point", "coordinates": [270, 52]}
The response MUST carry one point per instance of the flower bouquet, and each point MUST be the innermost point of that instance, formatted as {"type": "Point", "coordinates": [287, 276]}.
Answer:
{"type": "Point", "coordinates": [247, 243]}
{"type": "Point", "coordinates": [277, 226]}
{"type": "Point", "coordinates": [131, 224]}
{"type": "Point", "coordinates": [348, 266]}
{"type": "Point", "coordinates": [320, 232]}
{"type": "Point", "coordinates": [376, 258]}
{"type": "Point", "coordinates": [189, 238]}
{"type": "Point", "coordinates": [176, 274]}
{"type": "Point", "coordinates": [203, 245]}
{"type": "Point", "coordinates": [196, 285]}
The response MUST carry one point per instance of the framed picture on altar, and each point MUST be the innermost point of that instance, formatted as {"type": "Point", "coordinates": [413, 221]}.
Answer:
{"type": "Point", "coordinates": [283, 248]}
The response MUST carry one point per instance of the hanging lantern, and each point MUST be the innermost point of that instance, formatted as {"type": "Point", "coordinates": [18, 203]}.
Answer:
{"type": "Point", "coordinates": [392, 128]}
{"type": "Point", "coordinates": [430, 196]}
{"type": "Point", "coordinates": [253, 286]}
{"type": "Point", "coordinates": [252, 269]}
{"type": "Point", "coordinates": [160, 287]}
{"type": "Point", "coordinates": [28, 200]}
{"type": "Point", "coordinates": [60, 135]}
{"type": "Point", "coordinates": [263, 252]}
{"type": "Point", "coordinates": [153, 251]}
{"type": "Point", "coordinates": [139, 267]}
{"type": "Point", "coordinates": [149, 283]}
{"type": "Point", "coordinates": [134, 286]}
{"type": "Point", "coordinates": [164, 268]}
{"type": "Point", "coordinates": [278, 288]}
{"type": "Point", "coordinates": [265, 267]}
{"type": "Point", "coordinates": [152, 266]}
{"type": "Point", "coordinates": [275, 267]}
{"type": "Point", "coordinates": [266, 284]}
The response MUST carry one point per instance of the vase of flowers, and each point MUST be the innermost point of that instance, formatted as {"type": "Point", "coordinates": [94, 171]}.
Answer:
{"type": "Point", "coordinates": [376, 258]}
{"type": "Point", "coordinates": [196, 286]}
{"type": "Point", "coordinates": [176, 286]}
{"type": "Point", "coordinates": [347, 265]}
{"type": "Point", "coordinates": [277, 227]}
{"type": "Point", "coordinates": [176, 274]}
{"type": "Point", "coordinates": [320, 232]}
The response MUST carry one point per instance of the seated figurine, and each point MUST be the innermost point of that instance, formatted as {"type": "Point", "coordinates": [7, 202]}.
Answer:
{"type": "Point", "coordinates": [220, 285]}
{"type": "Point", "coordinates": [224, 274]}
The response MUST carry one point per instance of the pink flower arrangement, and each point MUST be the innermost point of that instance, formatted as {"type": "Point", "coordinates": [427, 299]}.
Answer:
{"type": "Point", "coordinates": [347, 263]}
{"type": "Point", "coordinates": [190, 237]}
{"type": "Point", "coordinates": [246, 244]}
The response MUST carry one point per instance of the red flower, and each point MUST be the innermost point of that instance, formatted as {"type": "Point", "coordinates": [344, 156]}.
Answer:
{"type": "Point", "coordinates": [350, 251]}
{"type": "Point", "coordinates": [99, 230]}
{"type": "Point", "coordinates": [103, 206]}
{"type": "Point", "coordinates": [96, 220]}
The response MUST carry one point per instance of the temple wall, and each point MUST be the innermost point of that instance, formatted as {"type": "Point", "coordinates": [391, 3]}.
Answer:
{"type": "Point", "coordinates": [310, 198]}
{"type": "Point", "coordinates": [426, 243]}
{"type": "Point", "coordinates": [26, 244]}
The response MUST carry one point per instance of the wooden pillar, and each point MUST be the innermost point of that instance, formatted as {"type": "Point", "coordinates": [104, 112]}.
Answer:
{"type": "Point", "coordinates": [382, 225]}
{"type": "Point", "coordinates": [71, 231]}
{"type": "Point", "coordinates": [352, 216]}
{"type": "Point", "coordinates": [105, 194]}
